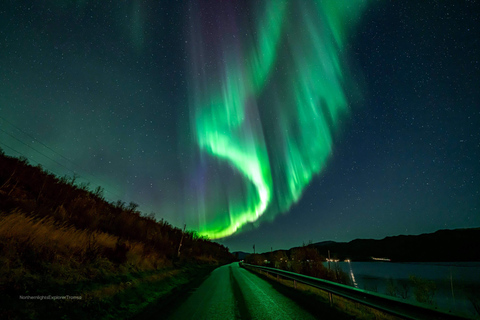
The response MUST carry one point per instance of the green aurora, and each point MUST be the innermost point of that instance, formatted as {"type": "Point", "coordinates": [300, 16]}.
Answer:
{"type": "Point", "coordinates": [269, 107]}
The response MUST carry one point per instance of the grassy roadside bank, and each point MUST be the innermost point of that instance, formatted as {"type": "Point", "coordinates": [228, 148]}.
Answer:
{"type": "Point", "coordinates": [121, 296]}
{"type": "Point", "coordinates": [54, 271]}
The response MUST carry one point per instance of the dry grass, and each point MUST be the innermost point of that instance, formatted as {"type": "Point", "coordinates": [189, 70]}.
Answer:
{"type": "Point", "coordinates": [41, 233]}
{"type": "Point", "coordinates": [66, 243]}
{"type": "Point", "coordinates": [39, 256]}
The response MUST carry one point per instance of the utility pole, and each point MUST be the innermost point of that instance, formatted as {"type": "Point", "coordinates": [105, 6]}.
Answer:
{"type": "Point", "coordinates": [330, 298]}
{"type": "Point", "coordinates": [253, 249]}
{"type": "Point", "coordinates": [328, 259]}
{"type": "Point", "coordinates": [181, 240]}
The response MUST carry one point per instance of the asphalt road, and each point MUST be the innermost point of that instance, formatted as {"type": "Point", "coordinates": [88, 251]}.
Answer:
{"type": "Point", "coordinates": [231, 292]}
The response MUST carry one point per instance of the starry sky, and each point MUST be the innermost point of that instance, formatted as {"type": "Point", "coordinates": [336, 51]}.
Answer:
{"type": "Point", "coordinates": [272, 123]}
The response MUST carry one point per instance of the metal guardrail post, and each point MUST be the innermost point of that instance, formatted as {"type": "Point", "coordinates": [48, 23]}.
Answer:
{"type": "Point", "coordinates": [391, 305]}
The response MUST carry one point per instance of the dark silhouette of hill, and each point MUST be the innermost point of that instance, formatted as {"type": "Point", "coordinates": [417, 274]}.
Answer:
{"type": "Point", "coordinates": [37, 194]}
{"type": "Point", "coordinates": [442, 245]}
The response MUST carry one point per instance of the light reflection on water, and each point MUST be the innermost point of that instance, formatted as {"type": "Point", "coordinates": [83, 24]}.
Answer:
{"type": "Point", "coordinates": [455, 282]}
{"type": "Point", "coordinates": [352, 276]}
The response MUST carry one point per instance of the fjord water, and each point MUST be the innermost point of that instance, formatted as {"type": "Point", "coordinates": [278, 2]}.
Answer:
{"type": "Point", "coordinates": [455, 282]}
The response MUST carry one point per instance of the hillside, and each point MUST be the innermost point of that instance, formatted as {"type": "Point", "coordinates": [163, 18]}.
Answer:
{"type": "Point", "coordinates": [442, 245]}
{"type": "Point", "coordinates": [58, 238]}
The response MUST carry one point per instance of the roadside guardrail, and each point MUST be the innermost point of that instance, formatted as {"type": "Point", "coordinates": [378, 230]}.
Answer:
{"type": "Point", "coordinates": [391, 305]}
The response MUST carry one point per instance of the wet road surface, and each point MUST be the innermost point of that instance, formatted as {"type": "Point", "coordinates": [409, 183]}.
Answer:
{"type": "Point", "coordinates": [231, 292]}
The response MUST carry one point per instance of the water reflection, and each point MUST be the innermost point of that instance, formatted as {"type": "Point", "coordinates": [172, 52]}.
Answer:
{"type": "Point", "coordinates": [352, 276]}
{"type": "Point", "coordinates": [456, 284]}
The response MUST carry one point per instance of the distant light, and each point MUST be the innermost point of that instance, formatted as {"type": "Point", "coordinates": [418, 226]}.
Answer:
{"type": "Point", "coordinates": [381, 259]}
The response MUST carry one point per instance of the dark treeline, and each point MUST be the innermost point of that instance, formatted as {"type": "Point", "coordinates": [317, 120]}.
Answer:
{"type": "Point", "coordinates": [37, 193]}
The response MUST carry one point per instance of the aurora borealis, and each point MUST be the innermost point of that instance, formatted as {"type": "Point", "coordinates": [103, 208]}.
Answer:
{"type": "Point", "coordinates": [277, 160]}
{"type": "Point", "coordinates": [255, 122]}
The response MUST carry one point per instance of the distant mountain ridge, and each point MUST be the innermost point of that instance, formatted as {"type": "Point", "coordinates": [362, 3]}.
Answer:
{"type": "Point", "coordinates": [442, 245]}
{"type": "Point", "coordinates": [325, 243]}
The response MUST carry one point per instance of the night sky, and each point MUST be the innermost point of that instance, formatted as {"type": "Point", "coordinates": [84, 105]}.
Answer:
{"type": "Point", "coordinates": [268, 123]}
